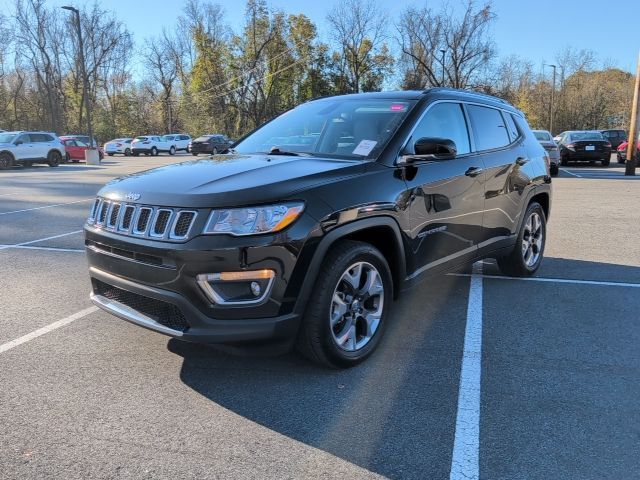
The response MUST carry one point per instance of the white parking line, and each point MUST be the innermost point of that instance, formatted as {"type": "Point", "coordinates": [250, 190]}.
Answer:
{"type": "Point", "coordinates": [570, 173]}
{"type": "Point", "coordinates": [45, 206]}
{"type": "Point", "coordinates": [7, 194]}
{"type": "Point", "coordinates": [41, 331]}
{"type": "Point", "coordinates": [48, 249]}
{"type": "Point", "coordinates": [15, 245]}
{"type": "Point", "coordinates": [554, 280]}
{"type": "Point", "coordinates": [465, 464]}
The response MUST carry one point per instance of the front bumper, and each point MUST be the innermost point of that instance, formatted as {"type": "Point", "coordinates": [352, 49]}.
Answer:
{"type": "Point", "coordinates": [166, 276]}
{"type": "Point", "coordinates": [200, 329]}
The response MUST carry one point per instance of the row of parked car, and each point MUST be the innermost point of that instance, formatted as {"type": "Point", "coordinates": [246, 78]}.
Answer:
{"type": "Point", "coordinates": [27, 148]}
{"type": "Point", "coordinates": [583, 146]}
{"type": "Point", "coordinates": [171, 144]}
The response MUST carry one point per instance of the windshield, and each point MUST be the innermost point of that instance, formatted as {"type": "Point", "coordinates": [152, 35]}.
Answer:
{"type": "Point", "coordinates": [7, 137]}
{"type": "Point", "coordinates": [204, 138]}
{"type": "Point", "coordinates": [586, 136]}
{"type": "Point", "coordinates": [141, 138]}
{"type": "Point", "coordinates": [542, 136]}
{"type": "Point", "coordinates": [334, 127]}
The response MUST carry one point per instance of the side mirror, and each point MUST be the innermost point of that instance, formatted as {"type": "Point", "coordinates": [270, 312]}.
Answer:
{"type": "Point", "coordinates": [441, 148]}
{"type": "Point", "coordinates": [18, 142]}
{"type": "Point", "coordinates": [430, 149]}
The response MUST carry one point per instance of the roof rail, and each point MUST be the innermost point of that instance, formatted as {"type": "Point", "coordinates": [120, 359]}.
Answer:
{"type": "Point", "coordinates": [466, 92]}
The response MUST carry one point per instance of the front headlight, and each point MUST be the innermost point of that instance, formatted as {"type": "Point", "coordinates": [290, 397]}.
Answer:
{"type": "Point", "coordinates": [253, 220]}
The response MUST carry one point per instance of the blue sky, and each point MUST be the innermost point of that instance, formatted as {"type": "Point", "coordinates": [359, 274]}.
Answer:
{"type": "Point", "coordinates": [535, 30]}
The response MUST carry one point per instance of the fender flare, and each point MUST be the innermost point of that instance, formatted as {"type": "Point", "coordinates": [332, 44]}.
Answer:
{"type": "Point", "coordinates": [340, 232]}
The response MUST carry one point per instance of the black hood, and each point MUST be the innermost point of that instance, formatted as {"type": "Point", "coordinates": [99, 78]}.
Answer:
{"type": "Point", "coordinates": [230, 180]}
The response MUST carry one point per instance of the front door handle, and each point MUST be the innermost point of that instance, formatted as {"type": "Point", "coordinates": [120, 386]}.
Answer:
{"type": "Point", "coordinates": [473, 171]}
{"type": "Point", "coordinates": [521, 160]}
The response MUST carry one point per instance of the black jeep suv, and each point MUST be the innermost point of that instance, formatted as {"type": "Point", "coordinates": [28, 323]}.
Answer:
{"type": "Point", "coordinates": [309, 228]}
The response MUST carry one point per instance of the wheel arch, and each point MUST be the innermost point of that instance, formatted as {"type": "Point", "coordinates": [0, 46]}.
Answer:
{"type": "Point", "coordinates": [382, 232]}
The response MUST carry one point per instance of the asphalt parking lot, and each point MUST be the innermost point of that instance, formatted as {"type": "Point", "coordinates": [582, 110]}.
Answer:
{"type": "Point", "coordinates": [479, 376]}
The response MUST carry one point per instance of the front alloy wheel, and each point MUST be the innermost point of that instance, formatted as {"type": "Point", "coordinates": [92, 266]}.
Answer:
{"type": "Point", "coordinates": [356, 306]}
{"type": "Point", "coordinates": [346, 314]}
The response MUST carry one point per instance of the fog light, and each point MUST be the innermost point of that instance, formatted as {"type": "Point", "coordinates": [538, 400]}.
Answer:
{"type": "Point", "coordinates": [237, 288]}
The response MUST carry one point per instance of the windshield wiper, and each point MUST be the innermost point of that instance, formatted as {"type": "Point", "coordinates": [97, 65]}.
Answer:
{"type": "Point", "coordinates": [277, 151]}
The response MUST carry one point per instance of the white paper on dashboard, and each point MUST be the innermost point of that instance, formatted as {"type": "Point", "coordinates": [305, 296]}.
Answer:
{"type": "Point", "coordinates": [364, 147]}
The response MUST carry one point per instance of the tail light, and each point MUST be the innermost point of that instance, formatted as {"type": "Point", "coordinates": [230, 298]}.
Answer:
{"type": "Point", "coordinates": [571, 145]}
{"type": "Point", "coordinates": [608, 145]}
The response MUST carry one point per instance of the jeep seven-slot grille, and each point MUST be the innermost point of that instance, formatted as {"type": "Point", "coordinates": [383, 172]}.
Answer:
{"type": "Point", "coordinates": [160, 223]}
{"type": "Point", "coordinates": [164, 313]}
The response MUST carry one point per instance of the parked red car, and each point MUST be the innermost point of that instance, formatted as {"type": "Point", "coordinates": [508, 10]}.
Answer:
{"type": "Point", "coordinates": [75, 149]}
{"type": "Point", "coordinates": [622, 150]}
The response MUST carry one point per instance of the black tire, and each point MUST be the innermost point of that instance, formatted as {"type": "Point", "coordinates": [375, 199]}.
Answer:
{"type": "Point", "coordinates": [214, 151]}
{"type": "Point", "coordinates": [316, 336]}
{"type": "Point", "coordinates": [54, 158]}
{"type": "Point", "coordinates": [6, 160]}
{"type": "Point", "coordinates": [67, 158]}
{"type": "Point", "coordinates": [154, 151]}
{"type": "Point", "coordinates": [110, 154]}
{"type": "Point", "coordinates": [195, 154]}
{"type": "Point", "coordinates": [553, 169]}
{"type": "Point", "coordinates": [172, 150]}
{"type": "Point", "coordinates": [515, 264]}
{"type": "Point", "coordinates": [135, 154]}
{"type": "Point", "coordinates": [564, 161]}
{"type": "Point", "coordinates": [606, 162]}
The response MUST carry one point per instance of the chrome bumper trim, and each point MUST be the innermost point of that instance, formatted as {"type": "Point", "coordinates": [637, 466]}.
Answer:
{"type": "Point", "coordinates": [129, 314]}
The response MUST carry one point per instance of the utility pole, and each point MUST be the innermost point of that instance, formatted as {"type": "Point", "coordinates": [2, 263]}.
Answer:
{"type": "Point", "coordinates": [553, 93]}
{"type": "Point", "coordinates": [85, 80]}
{"type": "Point", "coordinates": [634, 127]}
{"type": "Point", "coordinates": [443, 52]}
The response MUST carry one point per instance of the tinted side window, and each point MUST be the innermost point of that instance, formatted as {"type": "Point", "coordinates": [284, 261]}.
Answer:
{"type": "Point", "coordinates": [37, 137]}
{"type": "Point", "coordinates": [444, 120]}
{"type": "Point", "coordinates": [489, 130]}
{"type": "Point", "coordinates": [511, 126]}
{"type": "Point", "coordinates": [24, 138]}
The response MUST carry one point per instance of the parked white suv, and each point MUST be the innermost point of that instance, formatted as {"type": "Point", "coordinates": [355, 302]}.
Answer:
{"type": "Point", "coordinates": [27, 148]}
{"type": "Point", "coordinates": [178, 141]}
{"type": "Point", "coordinates": [149, 145]}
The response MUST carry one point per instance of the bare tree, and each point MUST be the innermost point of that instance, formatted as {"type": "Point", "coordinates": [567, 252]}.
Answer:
{"type": "Point", "coordinates": [358, 29]}
{"type": "Point", "coordinates": [423, 33]}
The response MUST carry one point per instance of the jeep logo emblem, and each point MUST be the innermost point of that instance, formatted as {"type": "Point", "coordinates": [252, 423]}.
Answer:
{"type": "Point", "coordinates": [132, 196]}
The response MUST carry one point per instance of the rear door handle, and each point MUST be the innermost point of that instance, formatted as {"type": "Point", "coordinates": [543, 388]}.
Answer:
{"type": "Point", "coordinates": [473, 171]}
{"type": "Point", "coordinates": [521, 160]}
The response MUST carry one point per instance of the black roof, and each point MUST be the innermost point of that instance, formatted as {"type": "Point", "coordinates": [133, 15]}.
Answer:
{"type": "Point", "coordinates": [442, 92]}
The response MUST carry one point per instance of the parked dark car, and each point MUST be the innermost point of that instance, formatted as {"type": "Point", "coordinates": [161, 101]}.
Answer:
{"type": "Point", "coordinates": [211, 144]}
{"type": "Point", "coordinates": [584, 146]}
{"type": "Point", "coordinates": [309, 242]}
{"type": "Point", "coordinates": [615, 137]}
{"type": "Point", "coordinates": [547, 142]}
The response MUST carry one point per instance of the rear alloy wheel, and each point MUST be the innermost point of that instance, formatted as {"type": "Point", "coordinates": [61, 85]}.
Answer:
{"type": "Point", "coordinates": [527, 255]}
{"type": "Point", "coordinates": [54, 158]}
{"type": "Point", "coordinates": [154, 151]}
{"type": "Point", "coordinates": [172, 151]}
{"type": "Point", "coordinates": [6, 160]}
{"type": "Point", "coordinates": [606, 162]}
{"type": "Point", "coordinates": [346, 316]}
{"type": "Point", "coordinates": [215, 151]}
